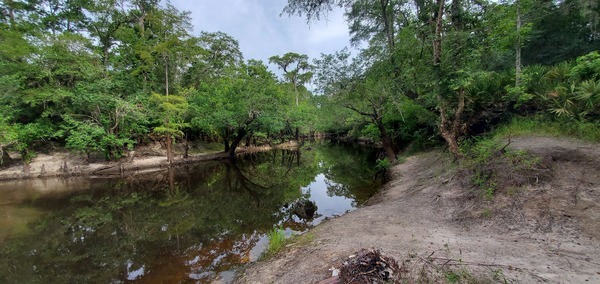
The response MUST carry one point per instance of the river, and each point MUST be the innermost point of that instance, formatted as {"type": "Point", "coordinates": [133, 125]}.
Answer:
{"type": "Point", "coordinates": [196, 223]}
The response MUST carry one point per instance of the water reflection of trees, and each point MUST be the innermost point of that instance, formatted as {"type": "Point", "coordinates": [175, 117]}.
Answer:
{"type": "Point", "coordinates": [195, 220]}
{"type": "Point", "coordinates": [350, 173]}
{"type": "Point", "coordinates": [219, 207]}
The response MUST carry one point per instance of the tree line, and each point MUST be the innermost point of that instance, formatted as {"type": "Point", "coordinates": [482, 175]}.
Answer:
{"type": "Point", "coordinates": [104, 76]}
{"type": "Point", "coordinates": [451, 69]}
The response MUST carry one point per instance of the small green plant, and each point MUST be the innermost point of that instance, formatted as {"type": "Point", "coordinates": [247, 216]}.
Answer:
{"type": "Point", "coordinates": [452, 277]}
{"type": "Point", "coordinates": [490, 189]}
{"type": "Point", "coordinates": [383, 164]}
{"type": "Point", "coordinates": [487, 212]}
{"type": "Point", "coordinates": [460, 276]}
{"type": "Point", "coordinates": [498, 275]}
{"type": "Point", "coordinates": [484, 180]}
{"type": "Point", "coordinates": [276, 240]}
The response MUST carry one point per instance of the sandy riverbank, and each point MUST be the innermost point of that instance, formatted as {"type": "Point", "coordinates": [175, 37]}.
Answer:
{"type": "Point", "coordinates": [541, 233]}
{"type": "Point", "coordinates": [65, 164]}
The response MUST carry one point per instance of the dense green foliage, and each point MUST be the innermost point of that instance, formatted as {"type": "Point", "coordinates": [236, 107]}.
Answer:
{"type": "Point", "coordinates": [107, 76]}
{"type": "Point", "coordinates": [101, 77]}
{"type": "Point", "coordinates": [455, 69]}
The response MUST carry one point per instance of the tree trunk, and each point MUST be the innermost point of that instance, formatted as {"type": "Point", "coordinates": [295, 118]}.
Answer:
{"type": "Point", "coordinates": [388, 25]}
{"type": "Point", "coordinates": [249, 139]}
{"type": "Point", "coordinates": [171, 179]}
{"type": "Point", "coordinates": [187, 147]}
{"type": "Point", "coordinates": [141, 23]}
{"type": "Point", "coordinates": [4, 157]}
{"type": "Point", "coordinates": [518, 48]}
{"type": "Point", "coordinates": [386, 142]}
{"type": "Point", "coordinates": [236, 141]}
{"type": "Point", "coordinates": [166, 75]}
{"type": "Point", "coordinates": [169, 149]}
{"type": "Point", "coordinates": [11, 13]}
{"type": "Point", "coordinates": [437, 41]}
{"type": "Point", "coordinates": [296, 92]}
{"type": "Point", "coordinates": [452, 142]}
{"type": "Point", "coordinates": [226, 139]}
{"type": "Point", "coordinates": [451, 131]}
{"type": "Point", "coordinates": [105, 48]}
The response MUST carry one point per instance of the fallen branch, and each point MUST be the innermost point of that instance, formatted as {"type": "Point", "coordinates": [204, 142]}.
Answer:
{"type": "Point", "coordinates": [461, 262]}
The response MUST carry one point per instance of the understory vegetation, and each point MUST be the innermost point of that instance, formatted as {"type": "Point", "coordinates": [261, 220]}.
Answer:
{"type": "Point", "coordinates": [276, 240]}
{"type": "Point", "coordinates": [491, 167]}
{"type": "Point", "coordinates": [105, 77]}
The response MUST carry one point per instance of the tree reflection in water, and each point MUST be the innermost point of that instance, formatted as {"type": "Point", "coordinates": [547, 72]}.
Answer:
{"type": "Point", "coordinates": [188, 223]}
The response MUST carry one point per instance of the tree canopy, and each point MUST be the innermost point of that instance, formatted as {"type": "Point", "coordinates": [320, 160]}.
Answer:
{"type": "Point", "coordinates": [103, 77]}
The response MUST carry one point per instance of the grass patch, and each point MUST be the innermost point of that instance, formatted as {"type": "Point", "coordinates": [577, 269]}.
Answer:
{"type": "Point", "coordinates": [490, 167]}
{"type": "Point", "coordinates": [302, 240]}
{"type": "Point", "coordinates": [520, 126]}
{"type": "Point", "coordinates": [460, 276]}
{"type": "Point", "coordinates": [276, 240]}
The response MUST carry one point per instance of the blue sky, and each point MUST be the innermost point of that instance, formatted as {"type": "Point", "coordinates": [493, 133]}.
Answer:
{"type": "Point", "coordinates": [262, 32]}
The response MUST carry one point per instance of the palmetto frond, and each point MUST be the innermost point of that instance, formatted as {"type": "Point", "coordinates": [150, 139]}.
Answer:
{"type": "Point", "coordinates": [559, 112]}
{"type": "Point", "coordinates": [559, 73]}
{"type": "Point", "coordinates": [588, 92]}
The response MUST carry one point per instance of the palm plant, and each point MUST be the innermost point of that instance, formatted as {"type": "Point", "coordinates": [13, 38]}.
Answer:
{"type": "Point", "coordinates": [560, 101]}
{"type": "Point", "coordinates": [587, 94]}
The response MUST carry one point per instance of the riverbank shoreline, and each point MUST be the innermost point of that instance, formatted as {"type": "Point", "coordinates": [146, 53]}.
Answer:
{"type": "Point", "coordinates": [544, 232]}
{"type": "Point", "coordinates": [66, 164]}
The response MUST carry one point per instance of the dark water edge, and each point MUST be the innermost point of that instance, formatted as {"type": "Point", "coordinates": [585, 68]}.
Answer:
{"type": "Point", "coordinates": [195, 223]}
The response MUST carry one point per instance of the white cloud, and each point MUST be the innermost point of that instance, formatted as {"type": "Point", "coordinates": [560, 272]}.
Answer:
{"type": "Point", "coordinates": [260, 30]}
{"type": "Point", "coordinates": [333, 29]}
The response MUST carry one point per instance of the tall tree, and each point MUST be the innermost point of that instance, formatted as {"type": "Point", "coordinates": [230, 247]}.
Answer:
{"type": "Point", "coordinates": [105, 17]}
{"type": "Point", "coordinates": [61, 15]}
{"type": "Point", "coordinates": [173, 109]}
{"type": "Point", "coordinates": [296, 70]}
{"type": "Point", "coordinates": [218, 53]}
{"type": "Point", "coordinates": [244, 100]}
{"type": "Point", "coordinates": [17, 14]}
{"type": "Point", "coordinates": [374, 22]}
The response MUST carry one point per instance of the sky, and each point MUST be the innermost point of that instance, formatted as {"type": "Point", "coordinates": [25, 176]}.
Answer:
{"type": "Point", "coordinates": [262, 32]}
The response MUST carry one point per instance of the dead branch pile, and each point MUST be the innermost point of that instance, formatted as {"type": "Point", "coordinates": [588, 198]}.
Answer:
{"type": "Point", "coordinates": [369, 266]}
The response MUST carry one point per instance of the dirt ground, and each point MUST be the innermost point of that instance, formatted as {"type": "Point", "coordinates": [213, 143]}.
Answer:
{"type": "Point", "coordinates": [547, 232]}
